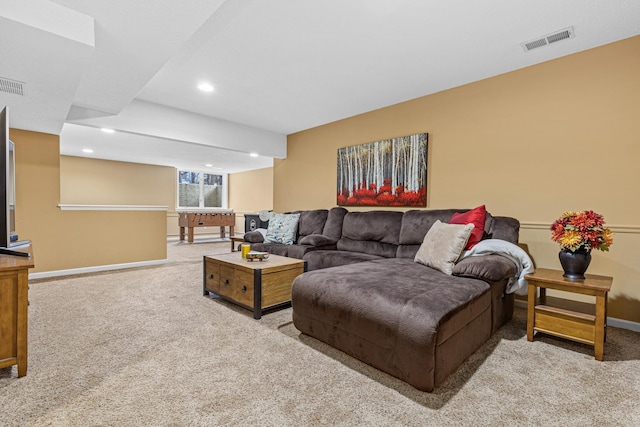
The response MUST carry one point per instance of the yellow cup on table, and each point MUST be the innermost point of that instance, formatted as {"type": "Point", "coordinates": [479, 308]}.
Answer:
{"type": "Point", "coordinates": [245, 250]}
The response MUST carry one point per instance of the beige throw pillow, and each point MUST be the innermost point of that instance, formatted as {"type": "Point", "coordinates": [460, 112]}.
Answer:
{"type": "Point", "coordinates": [443, 245]}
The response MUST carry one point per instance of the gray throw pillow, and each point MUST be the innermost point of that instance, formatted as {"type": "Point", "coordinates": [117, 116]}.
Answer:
{"type": "Point", "coordinates": [282, 229]}
{"type": "Point", "coordinates": [442, 245]}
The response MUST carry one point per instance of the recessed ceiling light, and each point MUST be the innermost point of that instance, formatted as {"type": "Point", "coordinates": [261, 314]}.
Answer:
{"type": "Point", "coordinates": [205, 87]}
{"type": "Point", "coordinates": [253, 154]}
{"type": "Point", "coordinates": [107, 130]}
{"type": "Point", "coordinates": [87, 150]}
{"type": "Point", "coordinates": [209, 165]}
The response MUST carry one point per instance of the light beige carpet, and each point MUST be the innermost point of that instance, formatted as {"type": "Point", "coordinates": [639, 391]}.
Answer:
{"type": "Point", "coordinates": [143, 347]}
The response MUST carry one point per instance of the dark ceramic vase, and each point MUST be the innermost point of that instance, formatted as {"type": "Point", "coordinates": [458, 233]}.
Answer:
{"type": "Point", "coordinates": [575, 263]}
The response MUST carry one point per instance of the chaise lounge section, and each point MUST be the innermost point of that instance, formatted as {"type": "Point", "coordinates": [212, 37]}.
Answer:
{"type": "Point", "coordinates": [405, 319]}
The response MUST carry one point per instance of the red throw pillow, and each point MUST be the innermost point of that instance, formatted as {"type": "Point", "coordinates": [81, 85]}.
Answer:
{"type": "Point", "coordinates": [476, 217]}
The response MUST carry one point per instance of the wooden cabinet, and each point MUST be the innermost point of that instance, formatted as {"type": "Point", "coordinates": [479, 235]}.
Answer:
{"type": "Point", "coordinates": [574, 320]}
{"type": "Point", "coordinates": [256, 285]}
{"type": "Point", "coordinates": [14, 301]}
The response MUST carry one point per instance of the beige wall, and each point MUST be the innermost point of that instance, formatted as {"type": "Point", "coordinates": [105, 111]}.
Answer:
{"type": "Point", "coordinates": [531, 144]}
{"type": "Point", "coordinates": [74, 239]}
{"type": "Point", "coordinates": [250, 192]}
{"type": "Point", "coordinates": [88, 181]}
{"type": "Point", "coordinates": [105, 182]}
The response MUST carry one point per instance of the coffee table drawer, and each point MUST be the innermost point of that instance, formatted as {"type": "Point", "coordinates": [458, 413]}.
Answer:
{"type": "Point", "coordinates": [243, 288]}
{"type": "Point", "coordinates": [236, 285]}
{"type": "Point", "coordinates": [212, 276]}
{"type": "Point", "coordinates": [227, 281]}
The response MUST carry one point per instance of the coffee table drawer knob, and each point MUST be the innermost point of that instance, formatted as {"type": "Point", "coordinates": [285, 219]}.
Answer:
{"type": "Point", "coordinates": [244, 289]}
{"type": "Point", "coordinates": [211, 276]}
{"type": "Point", "coordinates": [226, 282]}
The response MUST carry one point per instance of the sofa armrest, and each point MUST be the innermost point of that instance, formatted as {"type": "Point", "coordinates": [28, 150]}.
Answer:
{"type": "Point", "coordinates": [490, 268]}
{"type": "Point", "coordinates": [317, 240]}
{"type": "Point", "coordinates": [253, 237]}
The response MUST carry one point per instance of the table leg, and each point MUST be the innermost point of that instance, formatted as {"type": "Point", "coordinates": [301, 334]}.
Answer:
{"type": "Point", "coordinates": [531, 303]}
{"type": "Point", "coordinates": [222, 232]}
{"type": "Point", "coordinates": [190, 232]}
{"type": "Point", "coordinates": [601, 312]}
{"type": "Point", "coordinates": [23, 312]}
{"type": "Point", "coordinates": [257, 293]}
{"type": "Point", "coordinates": [606, 313]}
{"type": "Point", "coordinates": [181, 234]}
{"type": "Point", "coordinates": [543, 296]}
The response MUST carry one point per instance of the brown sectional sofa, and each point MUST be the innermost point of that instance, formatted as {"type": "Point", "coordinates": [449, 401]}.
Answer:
{"type": "Point", "coordinates": [365, 295]}
{"type": "Point", "coordinates": [323, 229]}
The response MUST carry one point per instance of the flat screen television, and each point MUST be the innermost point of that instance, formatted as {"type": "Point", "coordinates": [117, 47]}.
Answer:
{"type": "Point", "coordinates": [8, 235]}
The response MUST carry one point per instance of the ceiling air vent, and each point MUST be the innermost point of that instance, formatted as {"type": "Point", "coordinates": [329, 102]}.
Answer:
{"type": "Point", "coordinates": [11, 86]}
{"type": "Point", "coordinates": [567, 33]}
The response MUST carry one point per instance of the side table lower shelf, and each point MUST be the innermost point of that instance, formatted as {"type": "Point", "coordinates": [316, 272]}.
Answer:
{"type": "Point", "coordinates": [566, 319]}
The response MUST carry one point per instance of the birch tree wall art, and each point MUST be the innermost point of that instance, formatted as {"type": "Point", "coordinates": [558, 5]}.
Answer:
{"type": "Point", "coordinates": [392, 172]}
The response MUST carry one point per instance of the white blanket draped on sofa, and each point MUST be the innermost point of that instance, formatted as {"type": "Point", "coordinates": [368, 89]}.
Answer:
{"type": "Point", "coordinates": [515, 253]}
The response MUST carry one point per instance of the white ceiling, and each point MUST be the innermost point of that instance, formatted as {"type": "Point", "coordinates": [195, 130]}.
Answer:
{"type": "Point", "coordinates": [278, 66]}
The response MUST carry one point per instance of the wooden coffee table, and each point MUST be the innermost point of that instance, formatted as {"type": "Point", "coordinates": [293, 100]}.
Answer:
{"type": "Point", "coordinates": [574, 320]}
{"type": "Point", "coordinates": [257, 285]}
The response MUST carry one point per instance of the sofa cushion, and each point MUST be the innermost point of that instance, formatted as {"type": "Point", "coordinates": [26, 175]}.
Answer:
{"type": "Point", "coordinates": [318, 240]}
{"type": "Point", "coordinates": [272, 248]}
{"type": "Point", "coordinates": [299, 251]}
{"type": "Point", "coordinates": [312, 222]}
{"type": "Point", "coordinates": [333, 226]}
{"type": "Point", "coordinates": [372, 232]}
{"type": "Point", "coordinates": [282, 228]}
{"type": "Point", "coordinates": [320, 259]}
{"type": "Point", "coordinates": [443, 245]}
{"type": "Point", "coordinates": [502, 227]}
{"type": "Point", "coordinates": [253, 237]}
{"type": "Point", "coordinates": [490, 268]}
{"type": "Point", "coordinates": [477, 217]}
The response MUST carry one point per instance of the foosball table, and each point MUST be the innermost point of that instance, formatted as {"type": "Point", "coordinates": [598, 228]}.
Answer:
{"type": "Point", "coordinates": [205, 219]}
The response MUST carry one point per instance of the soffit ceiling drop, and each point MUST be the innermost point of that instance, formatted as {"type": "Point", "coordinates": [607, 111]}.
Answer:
{"type": "Point", "coordinates": [277, 67]}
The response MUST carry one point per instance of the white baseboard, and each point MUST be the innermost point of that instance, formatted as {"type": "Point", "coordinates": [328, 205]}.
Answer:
{"type": "Point", "coordinates": [623, 324]}
{"type": "Point", "coordinates": [97, 268]}
{"type": "Point", "coordinates": [611, 321]}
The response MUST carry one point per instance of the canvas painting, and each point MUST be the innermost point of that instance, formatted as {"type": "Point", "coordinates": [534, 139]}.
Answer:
{"type": "Point", "coordinates": [392, 172]}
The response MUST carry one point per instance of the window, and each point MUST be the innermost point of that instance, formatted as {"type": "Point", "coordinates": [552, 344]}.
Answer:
{"type": "Point", "coordinates": [201, 190]}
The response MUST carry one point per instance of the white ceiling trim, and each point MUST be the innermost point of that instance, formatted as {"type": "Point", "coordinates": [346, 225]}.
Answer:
{"type": "Point", "coordinates": [145, 118]}
{"type": "Point", "coordinates": [139, 148]}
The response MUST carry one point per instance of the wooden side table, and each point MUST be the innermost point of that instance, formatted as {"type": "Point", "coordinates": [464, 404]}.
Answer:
{"type": "Point", "coordinates": [577, 321]}
{"type": "Point", "coordinates": [14, 301]}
